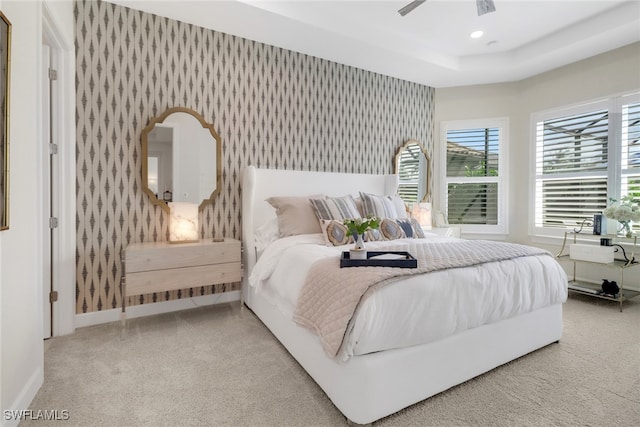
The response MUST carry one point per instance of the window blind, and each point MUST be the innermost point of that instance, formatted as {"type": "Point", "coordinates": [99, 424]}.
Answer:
{"type": "Point", "coordinates": [631, 137]}
{"type": "Point", "coordinates": [631, 153]}
{"type": "Point", "coordinates": [471, 203]}
{"type": "Point", "coordinates": [571, 165]}
{"type": "Point", "coordinates": [472, 171]}
{"type": "Point", "coordinates": [472, 152]}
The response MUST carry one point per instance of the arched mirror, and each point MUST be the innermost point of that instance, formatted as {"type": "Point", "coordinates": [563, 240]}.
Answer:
{"type": "Point", "coordinates": [413, 167]}
{"type": "Point", "coordinates": [181, 159]}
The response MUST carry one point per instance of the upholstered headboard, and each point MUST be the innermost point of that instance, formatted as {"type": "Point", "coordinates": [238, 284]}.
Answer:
{"type": "Point", "coordinates": [260, 184]}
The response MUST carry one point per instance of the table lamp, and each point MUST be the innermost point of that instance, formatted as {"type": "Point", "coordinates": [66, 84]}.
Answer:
{"type": "Point", "coordinates": [183, 222]}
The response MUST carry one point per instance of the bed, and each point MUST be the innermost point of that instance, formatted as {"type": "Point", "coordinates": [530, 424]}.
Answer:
{"type": "Point", "coordinates": [368, 382]}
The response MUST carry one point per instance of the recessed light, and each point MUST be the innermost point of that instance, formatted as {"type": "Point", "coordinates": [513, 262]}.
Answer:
{"type": "Point", "coordinates": [476, 34]}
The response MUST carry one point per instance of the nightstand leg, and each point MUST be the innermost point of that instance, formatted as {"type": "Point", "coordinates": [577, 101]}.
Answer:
{"type": "Point", "coordinates": [621, 288]}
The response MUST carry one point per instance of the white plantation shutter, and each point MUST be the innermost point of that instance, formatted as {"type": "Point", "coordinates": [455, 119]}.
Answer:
{"type": "Point", "coordinates": [584, 157]}
{"type": "Point", "coordinates": [571, 168]}
{"type": "Point", "coordinates": [472, 203]}
{"type": "Point", "coordinates": [472, 176]}
{"type": "Point", "coordinates": [631, 152]}
{"type": "Point", "coordinates": [473, 186]}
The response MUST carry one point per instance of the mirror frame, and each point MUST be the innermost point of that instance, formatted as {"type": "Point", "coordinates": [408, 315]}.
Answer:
{"type": "Point", "coordinates": [145, 153]}
{"type": "Point", "coordinates": [5, 70]}
{"type": "Point", "coordinates": [427, 196]}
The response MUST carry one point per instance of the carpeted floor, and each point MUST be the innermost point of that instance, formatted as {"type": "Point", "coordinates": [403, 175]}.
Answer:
{"type": "Point", "coordinates": [219, 365]}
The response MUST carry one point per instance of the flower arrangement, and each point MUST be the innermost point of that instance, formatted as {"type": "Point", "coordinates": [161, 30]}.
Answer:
{"type": "Point", "coordinates": [358, 226]}
{"type": "Point", "coordinates": [624, 211]}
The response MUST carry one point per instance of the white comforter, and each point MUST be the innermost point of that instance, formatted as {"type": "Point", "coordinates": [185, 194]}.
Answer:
{"type": "Point", "coordinates": [421, 308]}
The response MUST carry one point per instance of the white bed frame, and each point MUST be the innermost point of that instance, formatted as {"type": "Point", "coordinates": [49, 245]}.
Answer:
{"type": "Point", "coordinates": [369, 387]}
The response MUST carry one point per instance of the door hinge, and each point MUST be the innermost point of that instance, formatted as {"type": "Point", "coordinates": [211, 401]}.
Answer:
{"type": "Point", "coordinates": [53, 222]}
{"type": "Point", "coordinates": [53, 148]}
{"type": "Point", "coordinates": [53, 74]}
{"type": "Point", "coordinates": [53, 296]}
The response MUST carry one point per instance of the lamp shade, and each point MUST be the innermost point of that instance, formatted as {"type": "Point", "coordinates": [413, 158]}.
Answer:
{"type": "Point", "coordinates": [422, 213]}
{"type": "Point", "coordinates": [183, 222]}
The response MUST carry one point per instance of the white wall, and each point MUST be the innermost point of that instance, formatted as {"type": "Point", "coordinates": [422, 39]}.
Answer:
{"type": "Point", "coordinates": [603, 75]}
{"type": "Point", "coordinates": [21, 345]}
{"type": "Point", "coordinates": [611, 73]}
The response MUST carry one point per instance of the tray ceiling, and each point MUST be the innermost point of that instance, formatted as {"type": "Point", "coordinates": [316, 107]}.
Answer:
{"type": "Point", "coordinates": [431, 45]}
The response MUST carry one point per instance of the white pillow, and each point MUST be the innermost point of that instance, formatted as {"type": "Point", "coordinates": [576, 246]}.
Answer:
{"type": "Point", "coordinates": [266, 234]}
{"type": "Point", "coordinates": [401, 208]}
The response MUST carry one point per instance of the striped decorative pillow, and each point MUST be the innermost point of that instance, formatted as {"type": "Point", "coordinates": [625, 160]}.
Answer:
{"type": "Point", "coordinates": [336, 208]}
{"type": "Point", "coordinates": [379, 206]}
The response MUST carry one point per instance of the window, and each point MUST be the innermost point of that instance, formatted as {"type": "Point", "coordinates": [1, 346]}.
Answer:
{"type": "Point", "coordinates": [474, 189]}
{"type": "Point", "coordinates": [585, 156]}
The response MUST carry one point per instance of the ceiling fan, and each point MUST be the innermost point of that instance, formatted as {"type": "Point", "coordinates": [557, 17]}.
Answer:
{"type": "Point", "coordinates": [484, 6]}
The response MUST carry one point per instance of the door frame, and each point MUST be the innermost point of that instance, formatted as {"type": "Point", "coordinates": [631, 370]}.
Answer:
{"type": "Point", "coordinates": [47, 198]}
{"type": "Point", "coordinates": [64, 250]}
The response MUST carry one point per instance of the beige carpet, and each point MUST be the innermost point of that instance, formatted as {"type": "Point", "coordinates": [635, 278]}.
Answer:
{"type": "Point", "coordinates": [220, 366]}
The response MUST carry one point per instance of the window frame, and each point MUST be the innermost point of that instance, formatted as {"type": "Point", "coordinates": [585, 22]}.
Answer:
{"type": "Point", "coordinates": [613, 104]}
{"type": "Point", "coordinates": [500, 229]}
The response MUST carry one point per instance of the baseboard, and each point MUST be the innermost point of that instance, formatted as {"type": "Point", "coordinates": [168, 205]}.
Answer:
{"type": "Point", "coordinates": [114, 315]}
{"type": "Point", "coordinates": [23, 401]}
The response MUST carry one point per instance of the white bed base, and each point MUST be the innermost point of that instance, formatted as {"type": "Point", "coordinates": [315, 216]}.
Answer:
{"type": "Point", "coordinates": [369, 387]}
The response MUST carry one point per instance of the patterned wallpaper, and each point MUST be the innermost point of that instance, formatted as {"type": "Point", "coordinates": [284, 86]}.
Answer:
{"type": "Point", "coordinates": [272, 107]}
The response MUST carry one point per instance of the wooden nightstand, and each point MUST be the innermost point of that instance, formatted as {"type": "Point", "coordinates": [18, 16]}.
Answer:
{"type": "Point", "coordinates": [162, 266]}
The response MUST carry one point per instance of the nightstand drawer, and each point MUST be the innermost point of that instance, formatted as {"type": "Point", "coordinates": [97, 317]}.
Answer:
{"type": "Point", "coordinates": [145, 282]}
{"type": "Point", "coordinates": [160, 266]}
{"type": "Point", "coordinates": [163, 256]}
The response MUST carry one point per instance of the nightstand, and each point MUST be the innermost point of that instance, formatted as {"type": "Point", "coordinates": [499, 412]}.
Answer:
{"type": "Point", "coordinates": [162, 266]}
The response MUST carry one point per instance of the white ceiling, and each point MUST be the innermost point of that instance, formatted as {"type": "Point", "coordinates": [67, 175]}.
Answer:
{"type": "Point", "coordinates": [431, 45]}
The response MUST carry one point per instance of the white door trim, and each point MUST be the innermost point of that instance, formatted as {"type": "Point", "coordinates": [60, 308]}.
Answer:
{"type": "Point", "coordinates": [64, 279]}
{"type": "Point", "coordinates": [47, 197]}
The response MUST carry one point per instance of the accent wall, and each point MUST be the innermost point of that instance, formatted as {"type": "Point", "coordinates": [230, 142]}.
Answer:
{"type": "Point", "coordinates": [273, 108]}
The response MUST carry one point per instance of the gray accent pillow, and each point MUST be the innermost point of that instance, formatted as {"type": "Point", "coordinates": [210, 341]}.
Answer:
{"type": "Point", "coordinates": [393, 229]}
{"type": "Point", "coordinates": [417, 229]}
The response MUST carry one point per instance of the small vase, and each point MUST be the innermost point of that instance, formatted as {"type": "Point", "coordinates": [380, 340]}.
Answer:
{"type": "Point", "coordinates": [358, 251]}
{"type": "Point", "coordinates": [625, 229]}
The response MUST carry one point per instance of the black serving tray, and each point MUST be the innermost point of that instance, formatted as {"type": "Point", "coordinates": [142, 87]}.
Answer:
{"type": "Point", "coordinates": [407, 262]}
